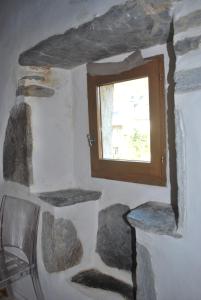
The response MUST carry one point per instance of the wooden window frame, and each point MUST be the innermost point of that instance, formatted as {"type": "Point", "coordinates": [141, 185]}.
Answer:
{"type": "Point", "coordinates": [153, 173]}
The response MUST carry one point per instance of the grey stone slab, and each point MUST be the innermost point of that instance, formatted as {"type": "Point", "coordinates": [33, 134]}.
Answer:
{"type": "Point", "coordinates": [145, 275]}
{"type": "Point", "coordinates": [153, 217]}
{"type": "Point", "coordinates": [17, 151]}
{"type": "Point", "coordinates": [114, 241]}
{"type": "Point", "coordinates": [188, 80]}
{"type": "Point", "coordinates": [61, 248]}
{"type": "Point", "coordinates": [191, 20]}
{"type": "Point", "coordinates": [95, 279]}
{"type": "Point", "coordinates": [126, 27]}
{"type": "Point", "coordinates": [34, 91]}
{"type": "Point", "coordinates": [69, 197]}
{"type": "Point", "coordinates": [187, 44]}
{"type": "Point", "coordinates": [33, 77]}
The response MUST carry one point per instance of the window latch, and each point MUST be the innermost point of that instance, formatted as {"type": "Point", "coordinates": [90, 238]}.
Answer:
{"type": "Point", "coordinates": [91, 140]}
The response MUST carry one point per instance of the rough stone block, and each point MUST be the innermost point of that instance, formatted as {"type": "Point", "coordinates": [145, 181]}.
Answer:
{"type": "Point", "coordinates": [17, 151]}
{"type": "Point", "coordinates": [114, 244]}
{"type": "Point", "coordinates": [33, 77]}
{"type": "Point", "coordinates": [153, 217]}
{"type": "Point", "coordinates": [95, 279]}
{"type": "Point", "coordinates": [34, 91]}
{"type": "Point", "coordinates": [104, 36]}
{"type": "Point", "coordinates": [61, 247]}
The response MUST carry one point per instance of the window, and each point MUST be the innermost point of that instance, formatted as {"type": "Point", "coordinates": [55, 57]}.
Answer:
{"type": "Point", "coordinates": [127, 124]}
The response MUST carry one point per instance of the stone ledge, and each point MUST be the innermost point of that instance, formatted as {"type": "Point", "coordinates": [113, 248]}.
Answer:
{"type": "Point", "coordinates": [95, 279]}
{"type": "Point", "coordinates": [154, 217]}
{"type": "Point", "coordinates": [34, 91]}
{"type": "Point", "coordinates": [69, 197]}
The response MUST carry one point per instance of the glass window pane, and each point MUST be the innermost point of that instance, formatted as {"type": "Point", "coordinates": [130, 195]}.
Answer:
{"type": "Point", "coordinates": [125, 120]}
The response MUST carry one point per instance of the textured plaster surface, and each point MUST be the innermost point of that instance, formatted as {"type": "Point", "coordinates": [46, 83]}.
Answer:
{"type": "Point", "coordinates": [17, 154]}
{"type": "Point", "coordinates": [61, 247]}
{"type": "Point", "coordinates": [52, 130]}
{"type": "Point", "coordinates": [69, 197]}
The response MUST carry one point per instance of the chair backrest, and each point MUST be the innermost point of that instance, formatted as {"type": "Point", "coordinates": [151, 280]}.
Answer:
{"type": "Point", "coordinates": [19, 225]}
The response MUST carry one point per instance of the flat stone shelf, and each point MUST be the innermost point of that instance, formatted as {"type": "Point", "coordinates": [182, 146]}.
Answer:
{"type": "Point", "coordinates": [155, 217]}
{"type": "Point", "coordinates": [69, 197]}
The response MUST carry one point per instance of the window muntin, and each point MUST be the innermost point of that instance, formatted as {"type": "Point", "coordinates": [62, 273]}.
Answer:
{"type": "Point", "coordinates": [147, 171]}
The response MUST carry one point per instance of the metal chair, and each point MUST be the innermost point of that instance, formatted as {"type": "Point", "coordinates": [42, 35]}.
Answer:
{"type": "Point", "coordinates": [19, 227]}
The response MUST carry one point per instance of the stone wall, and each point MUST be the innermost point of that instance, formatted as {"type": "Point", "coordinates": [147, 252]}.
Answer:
{"type": "Point", "coordinates": [174, 264]}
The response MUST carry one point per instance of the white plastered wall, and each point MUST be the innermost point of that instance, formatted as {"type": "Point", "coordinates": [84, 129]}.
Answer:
{"type": "Point", "coordinates": [176, 262]}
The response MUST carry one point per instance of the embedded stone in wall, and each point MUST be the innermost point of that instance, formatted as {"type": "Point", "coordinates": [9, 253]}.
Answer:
{"type": "Point", "coordinates": [61, 248]}
{"type": "Point", "coordinates": [33, 77]}
{"type": "Point", "coordinates": [145, 275]}
{"type": "Point", "coordinates": [154, 217]}
{"type": "Point", "coordinates": [95, 279]}
{"type": "Point", "coordinates": [34, 91]}
{"type": "Point", "coordinates": [188, 44]}
{"type": "Point", "coordinates": [191, 20]}
{"type": "Point", "coordinates": [69, 197]}
{"type": "Point", "coordinates": [114, 241]}
{"type": "Point", "coordinates": [17, 151]}
{"type": "Point", "coordinates": [188, 80]}
{"type": "Point", "coordinates": [104, 36]}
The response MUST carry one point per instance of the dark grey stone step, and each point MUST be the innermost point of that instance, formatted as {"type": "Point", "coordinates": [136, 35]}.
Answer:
{"type": "Point", "coordinates": [95, 279]}
{"type": "Point", "coordinates": [69, 197]}
{"type": "Point", "coordinates": [154, 217]}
